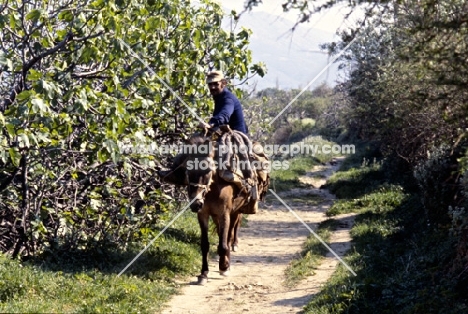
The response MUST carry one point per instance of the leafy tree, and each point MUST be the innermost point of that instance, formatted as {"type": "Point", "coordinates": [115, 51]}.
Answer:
{"type": "Point", "coordinates": [404, 88]}
{"type": "Point", "coordinates": [78, 79]}
{"type": "Point", "coordinates": [407, 89]}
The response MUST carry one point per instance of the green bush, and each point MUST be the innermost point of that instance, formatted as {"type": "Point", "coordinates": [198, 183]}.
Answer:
{"type": "Point", "coordinates": [301, 128]}
{"type": "Point", "coordinates": [437, 182]}
{"type": "Point", "coordinates": [82, 130]}
{"type": "Point", "coordinates": [401, 262]}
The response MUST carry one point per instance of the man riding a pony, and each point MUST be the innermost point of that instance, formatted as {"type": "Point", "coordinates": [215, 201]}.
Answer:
{"type": "Point", "coordinates": [230, 176]}
{"type": "Point", "coordinates": [227, 116]}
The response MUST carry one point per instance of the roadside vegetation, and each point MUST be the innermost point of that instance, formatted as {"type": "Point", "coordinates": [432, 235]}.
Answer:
{"type": "Point", "coordinates": [78, 79]}
{"type": "Point", "coordinates": [299, 164]}
{"type": "Point", "coordinates": [87, 282]}
{"type": "Point", "coordinates": [403, 263]}
{"type": "Point", "coordinates": [301, 125]}
{"type": "Point", "coordinates": [311, 255]}
{"type": "Point", "coordinates": [405, 98]}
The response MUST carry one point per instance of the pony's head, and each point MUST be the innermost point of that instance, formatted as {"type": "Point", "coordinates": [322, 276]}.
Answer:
{"type": "Point", "coordinates": [200, 168]}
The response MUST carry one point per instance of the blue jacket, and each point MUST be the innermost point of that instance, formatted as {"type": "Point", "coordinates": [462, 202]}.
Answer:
{"type": "Point", "coordinates": [228, 110]}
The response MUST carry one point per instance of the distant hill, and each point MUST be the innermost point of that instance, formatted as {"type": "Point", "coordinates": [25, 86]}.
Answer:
{"type": "Point", "coordinates": [288, 56]}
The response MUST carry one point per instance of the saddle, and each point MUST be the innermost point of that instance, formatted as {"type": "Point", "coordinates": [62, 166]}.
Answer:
{"type": "Point", "coordinates": [243, 163]}
{"type": "Point", "coordinates": [240, 162]}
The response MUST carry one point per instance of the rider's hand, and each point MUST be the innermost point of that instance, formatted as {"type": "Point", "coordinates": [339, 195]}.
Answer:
{"type": "Point", "coordinates": [204, 125]}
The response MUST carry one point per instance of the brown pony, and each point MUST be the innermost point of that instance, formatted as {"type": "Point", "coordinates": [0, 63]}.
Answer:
{"type": "Point", "coordinates": [212, 197]}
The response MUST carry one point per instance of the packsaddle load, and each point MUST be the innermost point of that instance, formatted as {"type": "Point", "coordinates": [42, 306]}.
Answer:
{"type": "Point", "coordinates": [244, 164]}
{"type": "Point", "coordinates": [238, 160]}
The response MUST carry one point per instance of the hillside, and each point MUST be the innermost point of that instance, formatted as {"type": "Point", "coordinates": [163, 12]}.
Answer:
{"type": "Point", "coordinates": [294, 58]}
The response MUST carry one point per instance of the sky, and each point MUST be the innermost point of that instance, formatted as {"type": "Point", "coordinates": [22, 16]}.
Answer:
{"type": "Point", "coordinates": [329, 20]}
{"type": "Point", "coordinates": [293, 59]}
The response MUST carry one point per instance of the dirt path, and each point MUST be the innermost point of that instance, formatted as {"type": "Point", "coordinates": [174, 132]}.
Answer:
{"type": "Point", "coordinates": [271, 240]}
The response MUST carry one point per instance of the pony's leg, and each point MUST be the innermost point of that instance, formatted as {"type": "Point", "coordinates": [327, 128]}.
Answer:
{"type": "Point", "coordinates": [224, 251]}
{"type": "Point", "coordinates": [238, 221]}
{"type": "Point", "coordinates": [203, 220]}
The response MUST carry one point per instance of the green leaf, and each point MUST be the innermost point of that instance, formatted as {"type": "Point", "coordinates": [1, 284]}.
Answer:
{"type": "Point", "coordinates": [259, 68]}
{"type": "Point", "coordinates": [38, 105]}
{"type": "Point", "coordinates": [66, 16]}
{"type": "Point", "coordinates": [24, 95]}
{"type": "Point", "coordinates": [10, 65]}
{"type": "Point", "coordinates": [97, 3]}
{"type": "Point", "coordinates": [196, 37]}
{"type": "Point", "coordinates": [11, 129]}
{"type": "Point", "coordinates": [23, 140]}
{"type": "Point", "coordinates": [34, 75]}
{"type": "Point", "coordinates": [103, 155]}
{"type": "Point", "coordinates": [34, 15]}
{"type": "Point", "coordinates": [3, 20]}
{"type": "Point", "coordinates": [15, 156]}
{"type": "Point", "coordinates": [3, 58]}
{"type": "Point", "coordinates": [43, 137]}
{"type": "Point", "coordinates": [48, 88]}
{"type": "Point", "coordinates": [12, 21]}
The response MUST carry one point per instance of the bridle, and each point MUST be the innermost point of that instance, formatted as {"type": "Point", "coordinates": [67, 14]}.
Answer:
{"type": "Point", "coordinates": [206, 187]}
{"type": "Point", "coordinates": [212, 135]}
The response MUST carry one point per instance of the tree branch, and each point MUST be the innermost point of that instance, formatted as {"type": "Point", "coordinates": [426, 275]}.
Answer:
{"type": "Point", "coordinates": [20, 86]}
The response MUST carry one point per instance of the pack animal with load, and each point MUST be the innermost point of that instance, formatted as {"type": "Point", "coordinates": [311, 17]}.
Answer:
{"type": "Point", "coordinates": [226, 176]}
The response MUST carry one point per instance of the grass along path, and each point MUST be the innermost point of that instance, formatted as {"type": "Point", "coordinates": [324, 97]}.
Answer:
{"type": "Point", "coordinates": [78, 283]}
{"type": "Point", "coordinates": [272, 239]}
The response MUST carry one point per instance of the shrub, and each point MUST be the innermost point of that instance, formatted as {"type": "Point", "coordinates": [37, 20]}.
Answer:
{"type": "Point", "coordinates": [437, 183]}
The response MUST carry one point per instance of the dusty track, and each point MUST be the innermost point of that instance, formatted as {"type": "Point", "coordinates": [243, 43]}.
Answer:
{"type": "Point", "coordinates": [271, 240]}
